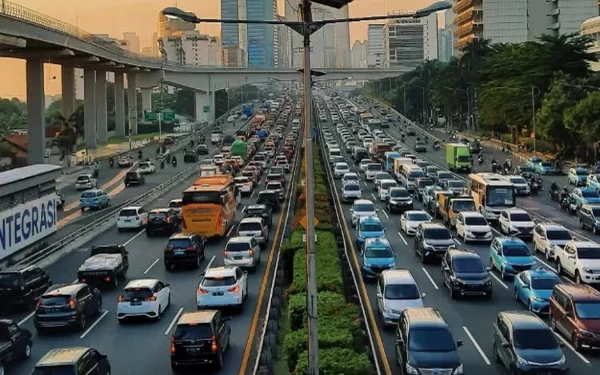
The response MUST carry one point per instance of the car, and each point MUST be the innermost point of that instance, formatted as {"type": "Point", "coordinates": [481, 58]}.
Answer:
{"type": "Point", "coordinates": [368, 227]}
{"type": "Point", "coordinates": [548, 235]}
{"type": "Point", "coordinates": [361, 208]}
{"type": "Point", "coordinates": [340, 169]}
{"type": "Point", "coordinates": [378, 177]}
{"type": "Point", "coordinates": [269, 198]}
{"type": "Point", "coordinates": [146, 167]}
{"type": "Point", "coordinates": [256, 227]}
{"type": "Point", "coordinates": [260, 210]}
{"type": "Point", "coordinates": [93, 199]}
{"type": "Point", "coordinates": [125, 161]}
{"type": "Point", "coordinates": [371, 170]}
{"type": "Point", "coordinates": [397, 291]}
{"type": "Point", "coordinates": [583, 196]}
{"type": "Point", "coordinates": [242, 251]}
{"type": "Point", "coordinates": [252, 174]}
{"type": "Point", "coordinates": [134, 178]}
{"type": "Point", "coordinates": [424, 342]}
{"type": "Point", "coordinates": [202, 149]}
{"type": "Point", "coordinates": [350, 177]}
{"type": "Point", "coordinates": [276, 186]}
{"type": "Point", "coordinates": [533, 162]}
{"type": "Point", "coordinates": [376, 255]}
{"type": "Point", "coordinates": [132, 217]}
{"type": "Point", "coordinates": [103, 270]}
{"type": "Point", "coordinates": [200, 338]}
{"type": "Point", "coordinates": [21, 286]}
{"type": "Point", "coordinates": [464, 274]}
{"type": "Point", "coordinates": [422, 184]}
{"type": "Point", "coordinates": [545, 168]}
{"type": "Point", "coordinates": [520, 184]}
{"type": "Point", "coordinates": [432, 240]}
{"type": "Point", "coordinates": [147, 298]}
{"type": "Point", "coordinates": [351, 191]}
{"type": "Point", "coordinates": [385, 187]}
{"type": "Point", "coordinates": [244, 184]}
{"type": "Point", "coordinates": [510, 255]}
{"type": "Point", "coordinates": [362, 165]}
{"type": "Point", "coordinates": [67, 306]}
{"type": "Point", "coordinates": [85, 182]}
{"type": "Point", "coordinates": [218, 160]}
{"type": "Point", "coordinates": [533, 288]}
{"type": "Point", "coordinates": [410, 220]}
{"type": "Point", "coordinates": [176, 204]}
{"type": "Point", "coordinates": [473, 226]}
{"type": "Point", "coordinates": [589, 218]}
{"type": "Point", "coordinates": [220, 287]}
{"type": "Point", "coordinates": [442, 176]}
{"type": "Point", "coordinates": [577, 176]}
{"type": "Point", "coordinates": [184, 249]}
{"type": "Point", "coordinates": [162, 220]}
{"type": "Point", "coordinates": [420, 146]}
{"type": "Point", "coordinates": [15, 343]}
{"type": "Point", "coordinates": [398, 199]}
{"type": "Point", "coordinates": [516, 222]}
{"type": "Point", "coordinates": [523, 343]}
{"type": "Point", "coordinates": [74, 360]}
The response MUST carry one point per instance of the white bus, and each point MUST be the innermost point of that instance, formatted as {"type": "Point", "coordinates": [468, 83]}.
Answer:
{"type": "Point", "coordinates": [492, 194]}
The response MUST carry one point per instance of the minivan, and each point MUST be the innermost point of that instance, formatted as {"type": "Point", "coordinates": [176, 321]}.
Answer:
{"type": "Point", "coordinates": [242, 252]}
{"type": "Point", "coordinates": [397, 290]}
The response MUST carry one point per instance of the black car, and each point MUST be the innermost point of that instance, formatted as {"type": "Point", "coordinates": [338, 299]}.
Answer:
{"type": "Point", "coordinates": [103, 270]}
{"type": "Point", "coordinates": [464, 274]}
{"type": "Point", "coordinates": [260, 210]}
{"type": "Point", "coordinates": [420, 146]}
{"type": "Point", "coordinates": [190, 156]}
{"type": "Point", "coordinates": [134, 178]}
{"type": "Point", "coordinates": [399, 200]}
{"type": "Point", "coordinates": [67, 306]}
{"type": "Point", "coordinates": [424, 342]}
{"type": "Point", "coordinates": [21, 286]}
{"type": "Point", "coordinates": [162, 220]}
{"type": "Point", "coordinates": [15, 343]}
{"type": "Point", "coordinates": [269, 198]}
{"type": "Point", "coordinates": [184, 249]}
{"type": "Point", "coordinates": [422, 183]}
{"type": "Point", "coordinates": [73, 361]}
{"type": "Point", "coordinates": [202, 150]}
{"type": "Point", "coordinates": [524, 344]}
{"type": "Point", "coordinates": [112, 249]}
{"type": "Point", "coordinates": [200, 339]}
{"type": "Point", "coordinates": [432, 241]}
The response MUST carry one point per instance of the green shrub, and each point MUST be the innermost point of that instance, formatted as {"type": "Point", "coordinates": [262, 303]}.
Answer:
{"type": "Point", "coordinates": [336, 361]}
{"type": "Point", "coordinates": [294, 343]}
{"type": "Point", "coordinates": [297, 311]}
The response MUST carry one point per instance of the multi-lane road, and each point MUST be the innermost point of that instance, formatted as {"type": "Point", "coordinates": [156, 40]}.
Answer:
{"type": "Point", "coordinates": [469, 319]}
{"type": "Point", "coordinates": [143, 348]}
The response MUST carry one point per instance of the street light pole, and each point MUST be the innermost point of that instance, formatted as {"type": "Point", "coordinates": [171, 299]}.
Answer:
{"type": "Point", "coordinates": [533, 118]}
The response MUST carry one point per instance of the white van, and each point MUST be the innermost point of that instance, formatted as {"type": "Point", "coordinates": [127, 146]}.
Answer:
{"type": "Point", "coordinates": [231, 119]}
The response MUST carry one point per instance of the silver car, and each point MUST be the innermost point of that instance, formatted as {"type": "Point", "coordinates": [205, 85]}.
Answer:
{"type": "Point", "coordinates": [254, 227]}
{"type": "Point", "coordinates": [242, 252]}
{"type": "Point", "coordinates": [397, 290]}
{"type": "Point", "coordinates": [340, 169]}
{"type": "Point", "coordinates": [351, 191]}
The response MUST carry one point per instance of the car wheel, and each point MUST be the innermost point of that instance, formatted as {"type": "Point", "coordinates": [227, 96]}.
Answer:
{"type": "Point", "coordinates": [26, 354]}
{"type": "Point", "coordinates": [517, 295]}
{"type": "Point", "coordinates": [594, 229]}
{"type": "Point", "coordinates": [159, 313]}
{"type": "Point", "coordinates": [99, 307]}
{"type": "Point", "coordinates": [559, 269]}
{"type": "Point", "coordinates": [496, 356]}
{"type": "Point", "coordinates": [577, 278]}
{"type": "Point", "coordinates": [576, 343]}
{"type": "Point", "coordinates": [198, 261]}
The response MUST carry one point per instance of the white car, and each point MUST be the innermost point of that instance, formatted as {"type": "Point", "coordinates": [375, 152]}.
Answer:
{"type": "Point", "coordinates": [254, 227]}
{"type": "Point", "coordinates": [143, 298]}
{"type": "Point", "coordinates": [146, 167]}
{"type": "Point", "coordinates": [340, 169]}
{"type": "Point", "coordinates": [350, 177]}
{"type": "Point", "coordinates": [238, 160]}
{"type": "Point", "coordinates": [242, 252]}
{"type": "Point", "coordinates": [516, 222]}
{"type": "Point", "coordinates": [397, 291]}
{"type": "Point", "coordinates": [176, 205]}
{"type": "Point", "coordinates": [133, 217]}
{"type": "Point", "coordinates": [521, 185]}
{"type": "Point", "coordinates": [384, 188]}
{"type": "Point", "coordinates": [85, 182]}
{"type": "Point", "coordinates": [333, 153]}
{"type": "Point", "coordinates": [216, 137]}
{"type": "Point", "coordinates": [350, 191]}
{"type": "Point", "coordinates": [362, 208]}
{"type": "Point", "coordinates": [410, 220]}
{"type": "Point", "coordinates": [244, 117]}
{"type": "Point", "coordinates": [371, 170]}
{"type": "Point", "coordinates": [125, 161]}
{"type": "Point", "coordinates": [548, 235]}
{"type": "Point", "coordinates": [363, 164]}
{"type": "Point", "coordinates": [207, 163]}
{"type": "Point", "coordinates": [222, 287]}
{"type": "Point", "coordinates": [244, 184]}
{"type": "Point", "coordinates": [472, 226]}
{"type": "Point", "coordinates": [218, 159]}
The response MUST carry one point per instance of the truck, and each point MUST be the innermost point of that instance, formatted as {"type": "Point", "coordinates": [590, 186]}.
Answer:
{"type": "Point", "coordinates": [389, 160]}
{"type": "Point", "coordinates": [239, 148]}
{"type": "Point", "coordinates": [576, 260]}
{"type": "Point", "coordinates": [248, 109]}
{"type": "Point", "coordinates": [378, 150]}
{"type": "Point", "coordinates": [450, 206]}
{"type": "Point", "coordinates": [458, 157]}
{"type": "Point", "coordinates": [398, 162]}
{"type": "Point", "coordinates": [15, 343]}
{"type": "Point", "coordinates": [105, 266]}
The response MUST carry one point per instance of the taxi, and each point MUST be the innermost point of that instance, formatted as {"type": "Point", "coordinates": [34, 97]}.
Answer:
{"type": "Point", "coordinates": [510, 256]}
{"type": "Point", "coordinates": [94, 199]}
{"type": "Point", "coordinates": [533, 288]}
{"type": "Point", "coordinates": [376, 256]}
{"type": "Point", "coordinates": [369, 227]}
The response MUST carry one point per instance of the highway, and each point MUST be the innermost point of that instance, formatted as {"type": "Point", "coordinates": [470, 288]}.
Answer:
{"type": "Point", "coordinates": [143, 348]}
{"type": "Point", "coordinates": [470, 320]}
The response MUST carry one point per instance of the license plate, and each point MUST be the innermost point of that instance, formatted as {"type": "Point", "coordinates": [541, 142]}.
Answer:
{"type": "Point", "coordinates": [238, 258]}
{"type": "Point", "coordinates": [193, 350]}
{"type": "Point", "coordinates": [128, 221]}
{"type": "Point", "coordinates": [135, 303]}
{"type": "Point", "coordinates": [179, 252]}
{"type": "Point", "coordinates": [217, 293]}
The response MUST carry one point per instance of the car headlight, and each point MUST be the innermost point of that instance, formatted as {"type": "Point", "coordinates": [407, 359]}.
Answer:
{"type": "Point", "coordinates": [537, 299]}
{"type": "Point", "coordinates": [411, 370]}
{"type": "Point", "coordinates": [428, 247]}
{"type": "Point", "coordinates": [522, 362]}
{"type": "Point", "coordinates": [587, 270]}
{"type": "Point", "coordinates": [459, 370]}
{"type": "Point", "coordinates": [451, 247]}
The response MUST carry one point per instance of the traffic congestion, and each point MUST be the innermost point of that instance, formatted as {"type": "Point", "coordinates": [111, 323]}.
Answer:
{"type": "Point", "coordinates": [463, 262]}
{"type": "Point", "coordinates": [175, 284]}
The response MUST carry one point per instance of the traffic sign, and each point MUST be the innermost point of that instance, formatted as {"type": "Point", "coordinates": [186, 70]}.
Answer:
{"type": "Point", "coordinates": [304, 222]}
{"type": "Point", "coordinates": [168, 116]}
{"type": "Point", "coordinates": [149, 116]}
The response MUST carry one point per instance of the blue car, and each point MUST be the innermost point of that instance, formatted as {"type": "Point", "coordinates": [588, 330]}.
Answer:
{"type": "Point", "coordinates": [376, 256]}
{"type": "Point", "coordinates": [533, 161]}
{"type": "Point", "coordinates": [369, 227]}
{"type": "Point", "coordinates": [578, 176]}
{"type": "Point", "coordinates": [93, 199]}
{"type": "Point", "coordinates": [545, 167]}
{"type": "Point", "coordinates": [510, 256]}
{"type": "Point", "coordinates": [585, 196]}
{"type": "Point", "coordinates": [534, 287]}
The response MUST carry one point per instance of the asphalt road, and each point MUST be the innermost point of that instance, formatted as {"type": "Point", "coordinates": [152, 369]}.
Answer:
{"type": "Point", "coordinates": [143, 348]}
{"type": "Point", "coordinates": [469, 319]}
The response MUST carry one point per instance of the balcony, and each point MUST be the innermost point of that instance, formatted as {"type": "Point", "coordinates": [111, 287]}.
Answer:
{"type": "Point", "coordinates": [461, 6]}
{"type": "Point", "coordinates": [462, 42]}
{"type": "Point", "coordinates": [464, 30]}
{"type": "Point", "coordinates": [462, 17]}
{"type": "Point", "coordinates": [555, 12]}
{"type": "Point", "coordinates": [554, 26]}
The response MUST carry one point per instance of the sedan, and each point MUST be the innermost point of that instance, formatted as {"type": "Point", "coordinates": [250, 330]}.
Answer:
{"type": "Point", "coordinates": [125, 161]}
{"type": "Point", "coordinates": [410, 220]}
{"type": "Point", "coordinates": [143, 298]}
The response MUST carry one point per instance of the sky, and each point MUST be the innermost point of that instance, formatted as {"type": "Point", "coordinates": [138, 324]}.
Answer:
{"type": "Point", "coordinates": [115, 17]}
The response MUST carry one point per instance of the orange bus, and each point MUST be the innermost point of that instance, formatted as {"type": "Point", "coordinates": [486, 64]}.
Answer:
{"type": "Point", "coordinates": [209, 206]}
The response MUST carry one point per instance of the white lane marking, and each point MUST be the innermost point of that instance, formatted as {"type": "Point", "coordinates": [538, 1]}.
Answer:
{"type": "Point", "coordinates": [457, 241]}
{"type": "Point", "coordinates": [94, 324]}
{"type": "Point", "coordinates": [174, 321]}
{"type": "Point", "coordinates": [230, 230]}
{"type": "Point", "coordinates": [210, 263]}
{"type": "Point", "coordinates": [430, 278]}
{"type": "Point", "coordinates": [365, 182]}
{"type": "Point", "coordinates": [553, 269]}
{"type": "Point", "coordinates": [499, 280]}
{"type": "Point", "coordinates": [252, 195]}
{"type": "Point", "coordinates": [26, 319]}
{"type": "Point", "coordinates": [568, 345]}
{"type": "Point", "coordinates": [481, 353]}
{"type": "Point", "coordinates": [75, 281]}
{"type": "Point", "coordinates": [402, 238]}
{"type": "Point", "coordinates": [385, 213]}
{"type": "Point", "coordinates": [134, 237]}
{"type": "Point", "coordinates": [152, 265]}
{"type": "Point", "coordinates": [373, 195]}
{"type": "Point", "coordinates": [244, 208]}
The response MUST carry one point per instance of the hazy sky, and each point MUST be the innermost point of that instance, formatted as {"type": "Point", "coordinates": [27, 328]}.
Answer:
{"type": "Point", "coordinates": [115, 17]}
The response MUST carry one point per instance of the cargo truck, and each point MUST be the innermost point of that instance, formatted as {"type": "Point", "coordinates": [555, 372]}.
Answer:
{"type": "Point", "coordinates": [248, 109]}
{"type": "Point", "coordinates": [458, 157]}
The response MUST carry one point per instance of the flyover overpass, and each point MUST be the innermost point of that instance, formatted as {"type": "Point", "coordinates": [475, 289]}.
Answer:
{"type": "Point", "coordinates": [39, 39]}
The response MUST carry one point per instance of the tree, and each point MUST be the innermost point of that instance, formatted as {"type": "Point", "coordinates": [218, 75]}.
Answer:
{"type": "Point", "coordinates": [584, 118]}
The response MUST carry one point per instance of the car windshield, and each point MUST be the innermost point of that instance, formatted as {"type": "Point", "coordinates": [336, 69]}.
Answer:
{"type": "Point", "coordinates": [343, 167]}
{"type": "Point", "coordinates": [476, 220]}
{"type": "Point", "coordinates": [456, 184]}
{"type": "Point", "coordinates": [518, 180]}
{"type": "Point", "coordinates": [379, 252]}
{"type": "Point", "coordinates": [10, 280]}
{"type": "Point", "coordinates": [588, 310]}
{"type": "Point", "coordinates": [88, 194]}
{"type": "Point", "coordinates": [418, 216]}
{"type": "Point", "coordinates": [388, 184]}
{"type": "Point", "coordinates": [371, 227]}
{"type": "Point", "coordinates": [130, 294]}
{"type": "Point", "coordinates": [589, 193]}
{"type": "Point", "coordinates": [55, 370]}
{"type": "Point", "coordinates": [415, 174]}
{"type": "Point", "coordinates": [546, 164]}
{"type": "Point", "coordinates": [350, 177]}
{"type": "Point", "coordinates": [128, 212]}
{"type": "Point", "coordinates": [581, 172]}
{"type": "Point", "coordinates": [219, 281]}
{"type": "Point", "coordinates": [249, 226]}
{"type": "Point", "coordinates": [500, 196]}
{"type": "Point", "coordinates": [559, 235]}
{"type": "Point", "coordinates": [157, 215]}
{"type": "Point", "coordinates": [466, 205]}
{"type": "Point", "coordinates": [179, 243]}
{"type": "Point", "coordinates": [193, 332]}
{"type": "Point", "coordinates": [516, 251]}
{"type": "Point", "coordinates": [425, 183]}
{"type": "Point", "coordinates": [351, 187]}
{"type": "Point", "coordinates": [463, 158]}
{"type": "Point", "coordinates": [401, 291]}
{"type": "Point", "coordinates": [544, 283]}
{"type": "Point", "coordinates": [83, 179]}
{"type": "Point", "coordinates": [212, 197]}
{"type": "Point", "coordinates": [445, 175]}
{"type": "Point", "coordinates": [437, 234]}
{"type": "Point", "coordinates": [399, 193]}
{"type": "Point", "coordinates": [431, 340]}
{"type": "Point", "coordinates": [364, 207]}
{"type": "Point", "coordinates": [536, 339]}
{"type": "Point", "coordinates": [374, 167]}
{"type": "Point", "coordinates": [382, 176]}
{"type": "Point", "coordinates": [432, 170]}
{"type": "Point", "coordinates": [588, 253]}
{"type": "Point", "coordinates": [468, 265]}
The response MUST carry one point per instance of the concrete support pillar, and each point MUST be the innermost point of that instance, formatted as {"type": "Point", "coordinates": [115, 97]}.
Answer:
{"type": "Point", "coordinates": [202, 100]}
{"type": "Point", "coordinates": [36, 110]}
{"type": "Point", "coordinates": [101, 110]}
{"type": "Point", "coordinates": [146, 99]}
{"type": "Point", "coordinates": [89, 107]}
{"type": "Point", "coordinates": [211, 104]}
{"type": "Point", "coordinates": [132, 102]}
{"type": "Point", "coordinates": [68, 90]}
{"type": "Point", "coordinates": [119, 105]}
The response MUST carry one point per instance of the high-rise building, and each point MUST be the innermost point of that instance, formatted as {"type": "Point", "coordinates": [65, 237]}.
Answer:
{"type": "Point", "coordinates": [242, 33]}
{"type": "Point", "coordinates": [230, 36]}
{"type": "Point", "coordinates": [430, 36]}
{"type": "Point", "coordinates": [449, 25]}
{"type": "Point", "coordinates": [404, 43]}
{"type": "Point", "coordinates": [148, 51]}
{"type": "Point", "coordinates": [322, 42]}
{"type": "Point", "coordinates": [445, 52]}
{"type": "Point", "coordinates": [262, 38]}
{"type": "Point", "coordinates": [284, 40]}
{"type": "Point", "coordinates": [133, 41]}
{"type": "Point", "coordinates": [359, 54]}
{"type": "Point", "coordinates": [233, 57]}
{"type": "Point", "coordinates": [189, 47]}
{"type": "Point", "coordinates": [154, 44]}
{"type": "Point", "coordinates": [376, 46]}
{"type": "Point", "coordinates": [342, 38]}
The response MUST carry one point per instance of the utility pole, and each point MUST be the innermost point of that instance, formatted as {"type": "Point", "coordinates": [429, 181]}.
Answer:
{"type": "Point", "coordinates": [533, 119]}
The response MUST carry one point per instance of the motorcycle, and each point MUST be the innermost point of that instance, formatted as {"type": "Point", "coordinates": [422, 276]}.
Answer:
{"type": "Point", "coordinates": [436, 145]}
{"type": "Point", "coordinates": [494, 167]}
{"type": "Point", "coordinates": [111, 162]}
{"type": "Point", "coordinates": [534, 187]}
{"type": "Point", "coordinates": [162, 163]}
{"type": "Point", "coordinates": [553, 195]}
{"type": "Point", "coordinates": [174, 162]}
{"type": "Point", "coordinates": [140, 155]}
{"type": "Point", "coordinates": [481, 159]}
{"type": "Point", "coordinates": [566, 204]}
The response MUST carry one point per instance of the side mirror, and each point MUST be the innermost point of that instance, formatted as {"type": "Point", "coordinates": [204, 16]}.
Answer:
{"type": "Point", "coordinates": [423, 295]}
{"type": "Point", "coordinates": [459, 343]}
{"type": "Point", "coordinates": [167, 284]}
{"type": "Point", "coordinates": [488, 269]}
{"type": "Point", "coordinates": [379, 295]}
{"type": "Point", "coordinates": [447, 269]}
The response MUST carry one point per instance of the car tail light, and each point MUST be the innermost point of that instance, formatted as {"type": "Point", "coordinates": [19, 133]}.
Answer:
{"type": "Point", "coordinates": [153, 298]}
{"type": "Point", "coordinates": [201, 291]}
{"type": "Point", "coordinates": [190, 248]}
{"type": "Point", "coordinates": [39, 302]}
{"type": "Point", "coordinates": [72, 303]}
{"type": "Point", "coordinates": [235, 289]}
{"type": "Point", "coordinates": [107, 279]}
{"type": "Point", "coordinates": [172, 345]}
{"type": "Point", "coordinates": [169, 248]}
{"type": "Point", "coordinates": [214, 346]}
{"type": "Point", "coordinates": [251, 252]}
{"type": "Point", "coordinates": [121, 299]}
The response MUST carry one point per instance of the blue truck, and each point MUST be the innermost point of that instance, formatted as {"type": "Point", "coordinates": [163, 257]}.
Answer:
{"type": "Point", "coordinates": [248, 109]}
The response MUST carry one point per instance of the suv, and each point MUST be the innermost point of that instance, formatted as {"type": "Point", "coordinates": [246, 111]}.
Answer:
{"type": "Point", "coordinates": [432, 240]}
{"type": "Point", "coordinates": [68, 305]}
{"type": "Point", "coordinates": [254, 227]}
{"type": "Point", "coordinates": [579, 259]}
{"type": "Point", "coordinates": [134, 178]}
{"type": "Point", "coordinates": [200, 338]}
{"type": "Point", "coordinates": [184, 249]}
{"type": "Point", "coordinates": [589, 217]}
{"type": "Point", "coordinates": [260, 210]}
{"type": "Point", "coordinates": [524, 344]}
{"type": "Point", "coordinates": [424, 343]}
{"type": "Point", "coordinates": [547, 236]}
{"type": "Point", "coordinates": [516, 222]}
{"type": "Point", "coordinates": [16, 343]}
{"type": "Point", "coordinates": [162, 220]}
{"type": "Point", "coordinates": [397, 290]}
{"type": "Point", "coordinates": [269, 198]}
{"type": "Point", "coordinates": [464, 274]}
{"type": "Point", "coordinates": [22, 286]}
{"type": "Point", "coordinates": [242, 252]}
{"type": "Point", "coordinates": [75, 361]}
{"type": "Point", "coordinates": [574, 313]}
